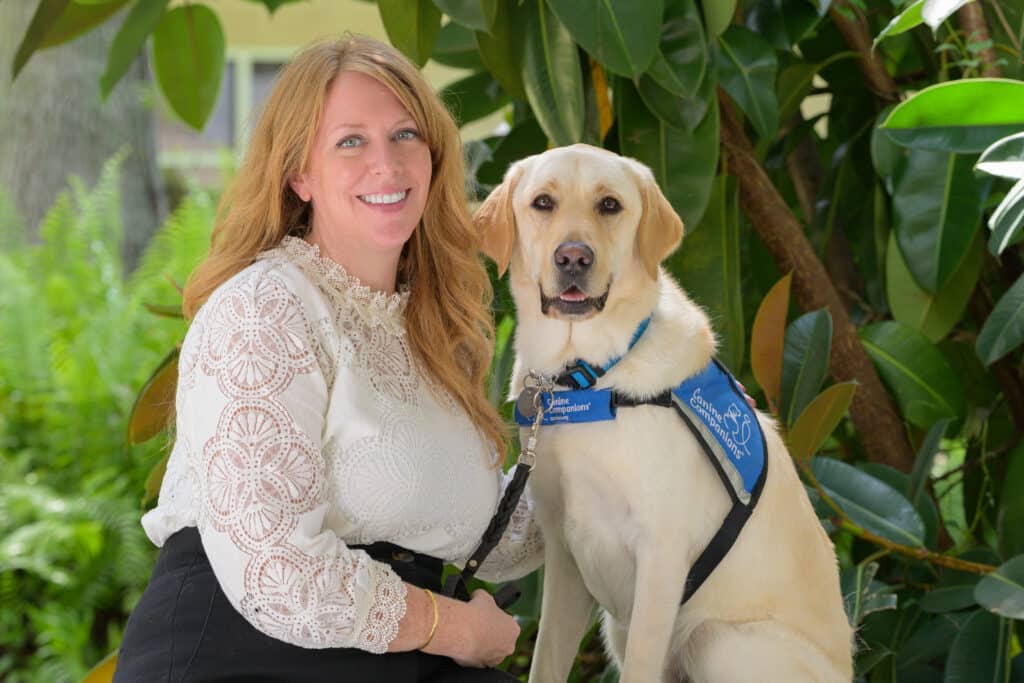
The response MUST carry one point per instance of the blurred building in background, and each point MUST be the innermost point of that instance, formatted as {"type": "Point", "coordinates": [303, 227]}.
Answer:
{"type": "Point", "coordinates": [258, 44]}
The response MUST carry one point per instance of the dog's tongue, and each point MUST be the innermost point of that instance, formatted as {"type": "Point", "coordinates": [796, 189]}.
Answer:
{"type": "Point", "coordinates": [572, 294]}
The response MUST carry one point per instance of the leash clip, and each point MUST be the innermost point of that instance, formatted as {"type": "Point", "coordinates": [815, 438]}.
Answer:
{"type": "Point", "coordinates": [539, 387]}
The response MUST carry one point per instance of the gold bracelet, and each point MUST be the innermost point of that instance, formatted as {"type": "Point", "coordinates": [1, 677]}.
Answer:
{"type": "Point", "coordinates": [433, 629]}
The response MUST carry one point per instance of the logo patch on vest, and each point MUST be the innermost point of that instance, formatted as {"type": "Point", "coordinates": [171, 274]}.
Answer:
{"type": "Point", "coordinates": [712, 398]}
{"type": "Point", "coordinates": [566, 407]}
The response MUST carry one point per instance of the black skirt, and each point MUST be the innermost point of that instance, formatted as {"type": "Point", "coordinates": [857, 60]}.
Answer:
{"type": "Point", "coordinates": [184, 629]}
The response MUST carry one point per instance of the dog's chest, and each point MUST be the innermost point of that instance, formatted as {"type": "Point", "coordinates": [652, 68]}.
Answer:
{"type": "Point", "coordinates": [602, 487]}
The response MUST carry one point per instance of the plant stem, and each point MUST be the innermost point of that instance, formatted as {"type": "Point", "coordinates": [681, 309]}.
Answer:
{"type": "Point", "coordinates": [916, 553]}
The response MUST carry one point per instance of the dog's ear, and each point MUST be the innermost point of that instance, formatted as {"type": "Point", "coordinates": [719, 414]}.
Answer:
{"type": "Point", "coordinates": [495, 222]}
{"type": "Point", "coordinates": [661, 228]}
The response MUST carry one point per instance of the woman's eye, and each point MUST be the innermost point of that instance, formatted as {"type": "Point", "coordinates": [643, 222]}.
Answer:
{"type": "Point", "coordinates": [609, 205]}
{"type": "Point", "coordinates": [349, 142]}
{"type": "Point", "coordinates": [407, 134]}
{"type": "Point", "coordinates": [543, 202]}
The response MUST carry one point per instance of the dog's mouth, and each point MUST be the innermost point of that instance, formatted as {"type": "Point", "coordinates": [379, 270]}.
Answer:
{"type": "Point", "coordinates": [572, 301]}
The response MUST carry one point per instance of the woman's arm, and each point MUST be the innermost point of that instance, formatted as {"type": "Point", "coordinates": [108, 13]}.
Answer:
{"type": "Point", "coordinates": [251, 414]}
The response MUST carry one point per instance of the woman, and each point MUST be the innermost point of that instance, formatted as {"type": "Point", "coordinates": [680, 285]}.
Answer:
{"type": "Point", "coordinates": [333, 443]}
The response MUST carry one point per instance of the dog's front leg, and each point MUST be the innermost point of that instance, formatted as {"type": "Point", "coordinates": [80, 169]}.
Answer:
{"type": "Point", "coordinates": [566, 606]}
{"type": "Point", "coordinates": [660, 577]}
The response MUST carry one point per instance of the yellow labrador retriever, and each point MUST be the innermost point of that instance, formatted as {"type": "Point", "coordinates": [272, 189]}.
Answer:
{"type": "Point", "coordinates": [634, 507]}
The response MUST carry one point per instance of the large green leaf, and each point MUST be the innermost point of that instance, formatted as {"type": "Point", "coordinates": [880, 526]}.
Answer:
{"type": "Point", "coordinates": [708, 267]}
{"type": "Point", "coordinates": [58, 21]}
{"type": "Point", "coordinates": [924, 505]}
{"type": "Point", "coordinates": [130, 40]}
{"type": "Point", "coordinates": [525, 139]}
{"type": "Point", "coordinates": [932, 638]}
{"type": "Point", "coordinates": [784, 23]}
{"type": "Point", "coordinates": [473, 97]}
{"type": "Point", "coordinates": [684, 112]}
{"type": "Point", "coordinates": [818, 420]}
{"type": "Point", "coordinates": [412, 26]}
{"type": "Point", "coordinates": [746, 71]}
{"type": "Point", "coordinates": [1010, 517]}
{"type": "Point", "coordinates": [924, 385]}
{"type": "Point", "coordinates": [718, 16]}
{"type": "Point", "coordinates": [551, 75]}
{"type": "Point", "coordinates": [885, 154]}
{"type": "Point", "coordinates": [870, 502]}
{"type": "Point", "coordinates": [1002, 592]}
{"type": "Point", "coordinates": [456, 46]}
{"type": "Point", "coordinates": [621, 36]}
{"type": "Point", "coordinates": [188, 58]}
{"type": "Point", "coordinates": [804, 362]}
{"type": "Point", "coordinates": [683, 163]}
{"type": "Point", "coordinates": [501, 50]}
{"type": "Point", "coordinates": [937, 207]}
{"type": "Point", "coordinates": [953, 591]}
{"type": "Point", "coordinates": [682, 59]}
{"type": "Point", "coordinates": [1003, 330]}
{"type": "Point", "coordinates": [980, 653]}
{"type": "Point", "coordinates": [478, 15]}
{"type": "Point", "coordinates": [934, 315]}
{"type": "Point", "coordinates": [959, 116]}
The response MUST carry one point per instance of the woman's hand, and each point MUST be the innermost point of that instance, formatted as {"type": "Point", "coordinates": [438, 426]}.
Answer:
{"type": "Point", "coordinates": [475, 633]}
{"type": "Point", "coordinates": [490, 634]}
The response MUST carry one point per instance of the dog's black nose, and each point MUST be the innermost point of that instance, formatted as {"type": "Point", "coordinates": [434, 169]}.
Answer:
{"type": "Point", "coordinates": [573, 258]}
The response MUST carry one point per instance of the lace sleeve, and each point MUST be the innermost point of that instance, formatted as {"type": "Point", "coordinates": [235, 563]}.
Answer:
{"type": "Point", "coordinates": [521, 549]}
{"type": "Point", "coordinates": [255, 418]}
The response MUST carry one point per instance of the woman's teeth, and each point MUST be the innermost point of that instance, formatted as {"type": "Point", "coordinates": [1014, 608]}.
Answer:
{"type": "Point", "coordinates": [392, 198]}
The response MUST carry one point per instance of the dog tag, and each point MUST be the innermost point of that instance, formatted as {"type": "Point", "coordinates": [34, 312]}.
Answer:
{"type": "Point", "coordinates": [525, 403]}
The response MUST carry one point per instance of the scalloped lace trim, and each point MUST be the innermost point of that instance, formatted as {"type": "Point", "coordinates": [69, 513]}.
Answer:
{"type": "Point", "coordinates": [378, 304]}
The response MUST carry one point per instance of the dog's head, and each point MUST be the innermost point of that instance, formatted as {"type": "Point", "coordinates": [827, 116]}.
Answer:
{"type": "Point", "coordinates": [575, 222]}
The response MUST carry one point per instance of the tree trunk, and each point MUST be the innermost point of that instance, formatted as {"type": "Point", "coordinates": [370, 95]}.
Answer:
{"type": "Point", "coordinates": [873, 412]}
{"type": "Point", "coordinates": [55, 124]}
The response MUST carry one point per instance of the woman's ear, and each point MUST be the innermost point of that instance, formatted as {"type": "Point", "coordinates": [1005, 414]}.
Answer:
{"type": "Point", "coordinates": [300, 186]}
{"type": "Point", "coordinates": [496, 222]}
{"type": "Point", "coordinates": [661, 228]}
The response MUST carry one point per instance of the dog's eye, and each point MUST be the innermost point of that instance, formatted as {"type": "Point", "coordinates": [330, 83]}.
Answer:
{"type": "Point", "coordinates": [543, 202]}
{"type": "Point", "coordinates": [609, 205]}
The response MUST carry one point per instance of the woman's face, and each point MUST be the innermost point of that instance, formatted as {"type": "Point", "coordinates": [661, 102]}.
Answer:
{"type": "Point", "coordinates": [369, 169]}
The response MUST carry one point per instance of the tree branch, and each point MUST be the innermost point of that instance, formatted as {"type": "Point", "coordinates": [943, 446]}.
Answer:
{"type": "Point", "coordinates": [880, 428]}
{"type": "Point", "coordinates": [858, 37]}
{"type": "Point", "coordinates": [922, 554]}
{"type": "Point", "coordinates": [972, 22]}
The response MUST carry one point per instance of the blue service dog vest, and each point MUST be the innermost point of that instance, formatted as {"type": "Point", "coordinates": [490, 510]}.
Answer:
{"type": "Point", "coordinates": [716, 412]}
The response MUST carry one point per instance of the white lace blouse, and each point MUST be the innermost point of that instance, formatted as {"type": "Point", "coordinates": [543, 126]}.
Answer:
{"type": "Point", "coordinates": [303, 427]}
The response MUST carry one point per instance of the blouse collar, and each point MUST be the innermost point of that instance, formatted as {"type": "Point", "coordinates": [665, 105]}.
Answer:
{"type": "Point", "coordinates": [334, 275]}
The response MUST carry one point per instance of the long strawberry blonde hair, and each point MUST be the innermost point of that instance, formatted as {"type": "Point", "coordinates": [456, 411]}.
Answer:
{"type": "Point", "coordinates": [448, 319]}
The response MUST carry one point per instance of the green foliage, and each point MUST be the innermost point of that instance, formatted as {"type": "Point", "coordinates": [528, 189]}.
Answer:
{"type": "Point", "coordinates": [888, 178]}
{"type": "Point", "coordinates": [76, 343]}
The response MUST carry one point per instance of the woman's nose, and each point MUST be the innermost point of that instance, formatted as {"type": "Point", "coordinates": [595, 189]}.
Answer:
{"type": "Point", "coordinates": [385, 159]}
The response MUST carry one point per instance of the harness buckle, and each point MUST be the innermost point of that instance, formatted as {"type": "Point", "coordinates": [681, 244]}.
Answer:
{"type": "Point", "coordinates": [579, 375]}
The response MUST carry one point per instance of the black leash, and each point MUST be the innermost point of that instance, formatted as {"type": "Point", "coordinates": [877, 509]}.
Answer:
{"type": "Point", "coordinates": [537, 387]}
